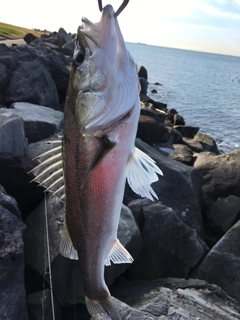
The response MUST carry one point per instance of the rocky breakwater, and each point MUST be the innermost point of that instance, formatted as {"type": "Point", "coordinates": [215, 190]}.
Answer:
{"type": "Point", "coordinates": [185, 245]}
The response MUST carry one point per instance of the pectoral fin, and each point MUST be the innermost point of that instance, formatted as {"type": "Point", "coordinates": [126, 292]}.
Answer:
{"type": "Point", "coordinates": [105, 146]}
{"type": "Point", "coordinates": [141, 173]}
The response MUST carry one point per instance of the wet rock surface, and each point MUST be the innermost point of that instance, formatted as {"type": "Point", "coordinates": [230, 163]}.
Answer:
{"type": "Point", "coordinates": [192, 231]}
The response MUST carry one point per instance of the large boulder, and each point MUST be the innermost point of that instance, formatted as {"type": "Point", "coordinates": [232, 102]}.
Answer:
{"type": "Point", "coordinates": [9, 203]}
{"type": "Point", "coordinates": [15, 179]}
{"type": "Point", "coordinates": [39, 122]}
{"type": "Point", "coordinates": [222, 264]}
{"type": "Point", "coordinates": [60, 74]}
{"type": "Point", "coordinates": [169, 299]}
{"type": "Point", "coordinates": [179, 188]}
{"type": "Point", "coordinates": [221, 175]}
{"type": "Point", "coordinates": [12, 138]}
{"type": "Point", "coordinates": [32, 82]}
{"type": "Point", "coordinates": [62, 37]}
{"type": "Point", "coordinates": [170, 248]}
{"type": "Point", "coordinates": [12, 289]}
{"type": "Point", "coordinates": [223, 214]}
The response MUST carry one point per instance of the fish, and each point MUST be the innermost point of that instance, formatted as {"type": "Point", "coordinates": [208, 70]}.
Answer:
{"type": "Point", "coordinates": [87, 168]}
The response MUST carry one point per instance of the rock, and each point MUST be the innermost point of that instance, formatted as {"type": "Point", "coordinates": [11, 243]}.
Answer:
{"type": "Point", "coordinates": [9, 203]}
{"type": "Point", "coordinates": [32, 83]}
{"type": "Point", "coordinates": [169, 299]}
{"type": "Point", "coordinates": [3, 78]}
{"type": "Point", "coordinates": [62, 37]}
{"type": "Point", "coordinates": [182, 153]}
{"type": "Point", "coordinates": [12, 138]}
{"type": "Point", "coordinates": [142, 73]}
{"type": "Point", "coordinates": [12, 290]}
{"type": "Point", "coordinates": [224, 213]}
{"type": "Point", "coordinates": [136, 207]}
{"type": "Point", "coordinates": [221, 176]}
{"type": "Point", "coordinates": [147, 109]}
{"type": "Point", "coordinates": [10, 61]}
{"type": "Point", "coordinates": [193, 144]}
{"type": "Point", "coordinates": [40, 306]}
{"type": "Point", "coordinates": [221, 265]}
{"type": "Point", "coordinates": [187, 131]}
{"type": "Point", "coordinates": [170, 248]}
{"type": "Point", "coordinates": [60, 74]}
{"type": "Point", "coordinates": [70, 46]}
{"type": "Point", "coordinates": [39, 122]}
{"type": "Point", "coordinates": [179, 188]}
{"type": "Point", "coordinates": [154, 91]}
{"type": "Point", "coordinates": [178, 120]}
{"type": "Point", "coordinates": [207, 142]}
{"type": "Point", "coordinates": [15, 179]}
{"type": "Point", "coordinates": [151, 131]}
{"type": "Point", "coordinates": [144, 86]}
{"type": "Point", "coordinates": [29, 37]}
{"type": "Point", "coordinates": [66, 276]}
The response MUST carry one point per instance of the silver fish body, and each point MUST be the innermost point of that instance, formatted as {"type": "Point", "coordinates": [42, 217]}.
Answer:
{"type": "Point", "coordinates": [100, 124]}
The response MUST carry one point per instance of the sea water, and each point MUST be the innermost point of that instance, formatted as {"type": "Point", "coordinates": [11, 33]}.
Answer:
{"type": "Point", "coordinates": [203, 87]}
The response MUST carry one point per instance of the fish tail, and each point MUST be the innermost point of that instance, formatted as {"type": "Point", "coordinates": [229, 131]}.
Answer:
{"type": "Point", "coordinates": [101, 307]}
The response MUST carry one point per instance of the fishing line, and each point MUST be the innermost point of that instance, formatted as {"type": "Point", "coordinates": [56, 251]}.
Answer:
{"type": "Point", "coordinates": [48, 258]}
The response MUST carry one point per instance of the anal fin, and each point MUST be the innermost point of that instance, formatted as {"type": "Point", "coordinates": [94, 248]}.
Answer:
{"type": "Point", "coordinates": [66, 246]}
{"type": "Point", "coordinates": [118, 255]}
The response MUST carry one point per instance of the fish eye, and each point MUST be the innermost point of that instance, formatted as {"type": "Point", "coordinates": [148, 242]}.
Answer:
{"type": "Point", "coordinates": [79, 56]}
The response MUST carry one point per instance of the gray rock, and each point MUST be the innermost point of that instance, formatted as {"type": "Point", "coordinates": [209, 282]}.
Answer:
{"type": "Point", "coordinates": [148, 109]}
{"type": "Point", "coordinates": [187, 131]}
{"type": "Point", "coordinates": [15, 179]}
{"type": "Point", "coordinates": [62, 37]}
{"type": "Point", "coordinates": [29, 37]}
{"type": "Point", "coordinates": [193, 144]}
{"type": "Point", "coordinates": [32, 82]}
{"type": "Point", "coordinates": [70, 46]}
{"type": "Point", "coordinates": [170, 299]}
{"type": "Point", "coordinates": [182, 154]}
{"type": "Point", "coordinates": [178, 120]}
{"type": "Point", "coordinates": [60, 74]}
{"type": "Point", "coordinates": [150, 131]}
{"type": "Point", "coordinates": [224, 213]}
{"type": "Point", "coordinates": [39, 122]}
{"type": "Point", "coordinates": [12, 290]}
{"type": "Point", "coordinates": [179, 188]}
{"type": "Point", "coordinates": [207, 142]}
{"type": "Point", "coordinates": [221, 175]}
{"type": "Point", "coordinates": [170, 248]}
{"type": "Point", "coordinates": [221, 266]}
{"type": "Point", "coordinates": [9, 203]}
{"type": "Point", "coordinates": [12, 138]}
{"type": "Point", "coordinates": [3, 78]}
{"type": "Point", "coordinates": [142, 72]}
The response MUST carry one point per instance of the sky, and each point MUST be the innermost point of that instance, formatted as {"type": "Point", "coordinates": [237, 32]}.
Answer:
{"type": "Point", "coordinates": [201, 25]}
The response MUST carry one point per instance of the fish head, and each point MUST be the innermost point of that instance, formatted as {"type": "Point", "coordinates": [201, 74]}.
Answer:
{"type": "Point", "coordinates": [104, 82]}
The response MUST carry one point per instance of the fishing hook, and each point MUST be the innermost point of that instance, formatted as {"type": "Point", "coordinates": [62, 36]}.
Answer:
{"type": "Point", "coordinates": [119, 10]}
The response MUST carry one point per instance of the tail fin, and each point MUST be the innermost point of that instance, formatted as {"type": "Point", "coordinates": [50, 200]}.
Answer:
{"type": "Point", "coordinates": [101, 307]}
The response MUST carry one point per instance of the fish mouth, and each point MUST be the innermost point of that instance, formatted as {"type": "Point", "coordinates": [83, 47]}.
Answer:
{"type": "Point", "coordinates": [91, 36]}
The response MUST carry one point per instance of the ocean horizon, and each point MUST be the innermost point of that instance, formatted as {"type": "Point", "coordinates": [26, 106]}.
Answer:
{"type": "Point", "coordinates": [203, 87]}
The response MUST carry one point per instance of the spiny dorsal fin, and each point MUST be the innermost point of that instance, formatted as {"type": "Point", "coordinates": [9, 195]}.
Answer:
{"type": "Point", "coordinates": [66, 246]}
{"type": "Point", "coordinates": [141, 173]}
{"type": "Point", "coordinates": [118, 255]}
